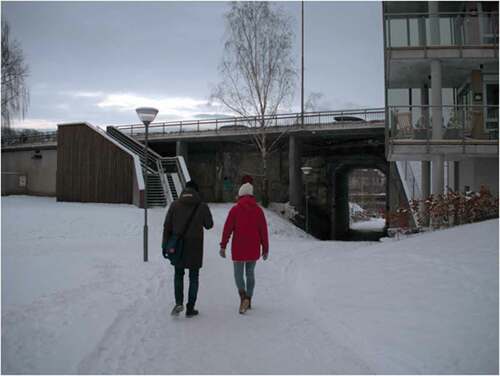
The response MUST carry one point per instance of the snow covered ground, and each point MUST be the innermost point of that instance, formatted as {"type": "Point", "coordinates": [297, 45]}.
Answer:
{"type": "Point", "coordinates": [372, 224]}
{"type": "Point", "coordinates": [77, 298]}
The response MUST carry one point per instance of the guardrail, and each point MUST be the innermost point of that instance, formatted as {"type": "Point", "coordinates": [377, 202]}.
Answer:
{"type": "Point", "coordinates": [254, 122]}
{"type": "Point", "coordinates": [459, 122]}
{"type": "Point", "coordinates": [39, 138]}
{"type": "Point", "coordinates": [368, 115]}
{"type": "Point", "coordinates": [459, 29]}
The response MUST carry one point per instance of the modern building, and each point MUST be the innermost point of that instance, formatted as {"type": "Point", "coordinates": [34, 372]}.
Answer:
{"type": "Point", "coordinates": [441, 94]}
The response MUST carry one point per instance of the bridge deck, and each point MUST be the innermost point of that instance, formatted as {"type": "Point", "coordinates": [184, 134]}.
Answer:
{"type": "Point", "coordinates": [323, 122]}
{"type": "Point", "coordinates": [331, 129]}
{"type": "Point", "coordinates": [344, 122]}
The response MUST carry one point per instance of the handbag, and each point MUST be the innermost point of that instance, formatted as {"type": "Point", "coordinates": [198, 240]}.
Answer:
{"type": "Point", "coordinates": [176, 243]}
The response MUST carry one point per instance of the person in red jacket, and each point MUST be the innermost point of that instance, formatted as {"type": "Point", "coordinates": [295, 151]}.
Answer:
{"type": "Point", "coordinates": [247, 224]}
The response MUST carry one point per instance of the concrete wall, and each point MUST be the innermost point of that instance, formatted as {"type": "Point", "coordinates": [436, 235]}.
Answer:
{"type": "Point", "coordinates": [208, 169]}
{"type": "Point", "coordinates": [40, 172]}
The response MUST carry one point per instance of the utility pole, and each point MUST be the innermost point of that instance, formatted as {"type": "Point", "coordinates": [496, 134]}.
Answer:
{"type": "Point", "coordinates": [302, 71]}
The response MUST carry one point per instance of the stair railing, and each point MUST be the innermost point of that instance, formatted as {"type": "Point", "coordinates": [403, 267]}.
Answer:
{"type": "Point", "coordinates": [155, 163]}
{"type": "Point", "coordinates": [182, 170]}
{"type": "Point", "coordinates": [164, 183]}
{"type": "Point", "coordinates": [136, 146]}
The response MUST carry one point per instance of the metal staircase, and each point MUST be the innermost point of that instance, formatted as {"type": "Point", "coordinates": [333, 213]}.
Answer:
{"type": "Point", "coordinates": [156, 197]}
{"type": "Point", "coordinates": [166, 177]}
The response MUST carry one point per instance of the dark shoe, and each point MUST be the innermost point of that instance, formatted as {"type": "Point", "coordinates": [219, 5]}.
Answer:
{"type": "Point", "coordinates": [177, 309]}
{"type": "Point", "coordinates": [249, 302]}
{"type": "Point", "coordinates": [190, 311]}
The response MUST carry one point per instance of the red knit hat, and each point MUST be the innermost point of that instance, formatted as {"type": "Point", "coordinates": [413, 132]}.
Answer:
{"type": "Point", "coordinates": [246, 179]}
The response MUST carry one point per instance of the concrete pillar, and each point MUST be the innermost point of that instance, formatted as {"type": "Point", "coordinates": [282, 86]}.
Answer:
{"type": "Point", "coordinates": [436, 100]}
{"type": "Point", "coordinates": [437, 125]}
{"type": "Point", "coordinates": [425, 165]}
{"type": "Point", "coordinates": [295, 188]}
{"type": "Point", "coordinates": [181, 148]}
{"type": "Point", "coordinates": [426, 188]}
{"type": "Point", "coordinates": [424, 101]}
{"type": "Point", "coordinates": [435, 39]}
{"type": "Point", "coordinates": [438, 174]}
{"type": "Point", "coordinates": [426, 178]}
{"type": "Point", "coordinates": [476, 112]}
{"type": "Point", "coordinates": [456, 176]}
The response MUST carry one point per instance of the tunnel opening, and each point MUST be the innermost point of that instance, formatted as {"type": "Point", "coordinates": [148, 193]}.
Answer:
{"type": "Point", "coordinates": [359, 201]}
{"type": "Point", "coordinates": [367, 204]}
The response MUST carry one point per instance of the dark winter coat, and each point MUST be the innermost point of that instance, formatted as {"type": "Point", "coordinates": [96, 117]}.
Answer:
{"type": "Point", "coordinates": [177, 215]}
{"type": "Point", "coordinates": [247, 223]}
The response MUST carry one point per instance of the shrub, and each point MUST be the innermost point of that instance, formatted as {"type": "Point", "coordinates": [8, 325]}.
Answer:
{"type": "Point", "coordinates": [455, 208]}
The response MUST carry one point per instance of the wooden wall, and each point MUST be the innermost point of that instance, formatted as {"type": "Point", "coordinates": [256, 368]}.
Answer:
{"type": "Point", "coordinates": [90, 168]}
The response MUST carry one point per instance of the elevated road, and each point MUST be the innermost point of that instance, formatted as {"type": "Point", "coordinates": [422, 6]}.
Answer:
{"type": "Point", "coordinates": [345, 122]}
{"type": "Point", "coordinates": [342, 123]}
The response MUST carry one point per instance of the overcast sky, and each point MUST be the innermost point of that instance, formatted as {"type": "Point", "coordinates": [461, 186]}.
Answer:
{"type": "Point", "coordinates": [98, 61]}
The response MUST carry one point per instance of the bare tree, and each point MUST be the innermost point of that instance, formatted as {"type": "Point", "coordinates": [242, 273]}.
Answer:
{"type": "Point", "coordinates": [15, 94]}
{"type": "Point", "coordinates": [257, 69]}
{"type": "Point", "coordinates": [314, 101]}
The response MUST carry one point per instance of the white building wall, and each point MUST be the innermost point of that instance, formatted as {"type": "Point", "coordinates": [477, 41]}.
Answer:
{"type": "Point", "coordinates": [40, 173]}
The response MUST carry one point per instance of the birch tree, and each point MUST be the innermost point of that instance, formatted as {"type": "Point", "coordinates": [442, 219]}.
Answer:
{"type": "Point", "coordinates": [257, 70]}
{"type": "Point", "coordinates": [15, 94]}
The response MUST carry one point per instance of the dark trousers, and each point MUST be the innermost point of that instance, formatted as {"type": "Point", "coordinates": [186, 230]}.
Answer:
{"type": "Point", "coordinates": [179, 285]}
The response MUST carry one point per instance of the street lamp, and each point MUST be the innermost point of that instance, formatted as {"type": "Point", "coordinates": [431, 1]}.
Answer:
{"type": "Point", "coordinates": [306, 170]}
{"type": "Point", "coordinates": [147, 115]}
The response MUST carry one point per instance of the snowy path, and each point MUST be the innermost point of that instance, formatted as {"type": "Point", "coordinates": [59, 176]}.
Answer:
{"type": "Point", "coordinates": [77, 298]}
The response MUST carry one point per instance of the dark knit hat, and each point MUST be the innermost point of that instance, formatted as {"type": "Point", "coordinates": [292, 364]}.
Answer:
{"type": "Point", "coordinates": [246, 179]}
{"type": "Point", "coordinates": [192, 184]}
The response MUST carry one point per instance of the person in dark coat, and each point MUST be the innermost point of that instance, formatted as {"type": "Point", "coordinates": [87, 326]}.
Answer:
{"type": "Point", "coordinates": [246, 223]}
{"type": "Point", "coordinates": [175, 221]}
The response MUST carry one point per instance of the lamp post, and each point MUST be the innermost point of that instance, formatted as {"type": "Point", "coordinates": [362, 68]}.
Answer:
{"type": "Point", "coordinates": [306, 170]}
{"type": "Point", "coordinates": [302, 71]}
{"type": "Point", "coordinates": [147, 115]}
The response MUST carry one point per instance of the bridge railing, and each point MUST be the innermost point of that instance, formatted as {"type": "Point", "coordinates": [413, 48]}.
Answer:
{"type": "Point", "coordinates": [243, 124]}
{"type": "Point", "coordinates": [233, 124]}
{"type": "Point", "coordinates": [39, 138]}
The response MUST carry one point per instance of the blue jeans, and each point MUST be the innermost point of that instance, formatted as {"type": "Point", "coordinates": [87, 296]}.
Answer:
{"type": "Point", "coordinates": [249, 268]}
{"type": "Point", "coordinates": [179, 285]}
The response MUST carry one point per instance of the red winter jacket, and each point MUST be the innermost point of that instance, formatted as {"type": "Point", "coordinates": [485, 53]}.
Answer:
{"type": "Point", "coordinates": [247, 223]}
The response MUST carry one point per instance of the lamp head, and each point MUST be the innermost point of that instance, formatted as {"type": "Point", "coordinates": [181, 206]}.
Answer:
{"type": "Point", "coordinates": [306, 170]}
{"type": "Point", "coordinates": [146, 114]}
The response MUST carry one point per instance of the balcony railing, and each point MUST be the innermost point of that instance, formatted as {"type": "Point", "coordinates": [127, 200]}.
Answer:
{"type": "Point", "coordinates": [465, 29]}
{"type": "Point", "coordinates": [459, 122]}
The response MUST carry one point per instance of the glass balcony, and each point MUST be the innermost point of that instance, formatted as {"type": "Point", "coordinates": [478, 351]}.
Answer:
{"type": "Point", "coordinates": [456, 29]}
{"type": "Point", "coordinates": [459, 122]}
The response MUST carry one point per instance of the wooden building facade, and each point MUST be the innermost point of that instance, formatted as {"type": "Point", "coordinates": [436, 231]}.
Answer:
{"type": "Point", "coordinates": [91, 167]}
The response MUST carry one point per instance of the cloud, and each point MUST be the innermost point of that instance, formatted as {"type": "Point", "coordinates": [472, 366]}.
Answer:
{"type": "Point", "coordinates": [32, 123]}
{"type": "Point", "coordinates": [85, 94]}
{"type": "Point", "coordinates": [116, 107]}
{"type": "Point", "coordinates": [168, 107]}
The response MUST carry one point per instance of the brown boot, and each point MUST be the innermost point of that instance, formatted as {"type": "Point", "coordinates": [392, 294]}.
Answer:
{"type": "Point", "coordinates": [244, 301]}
